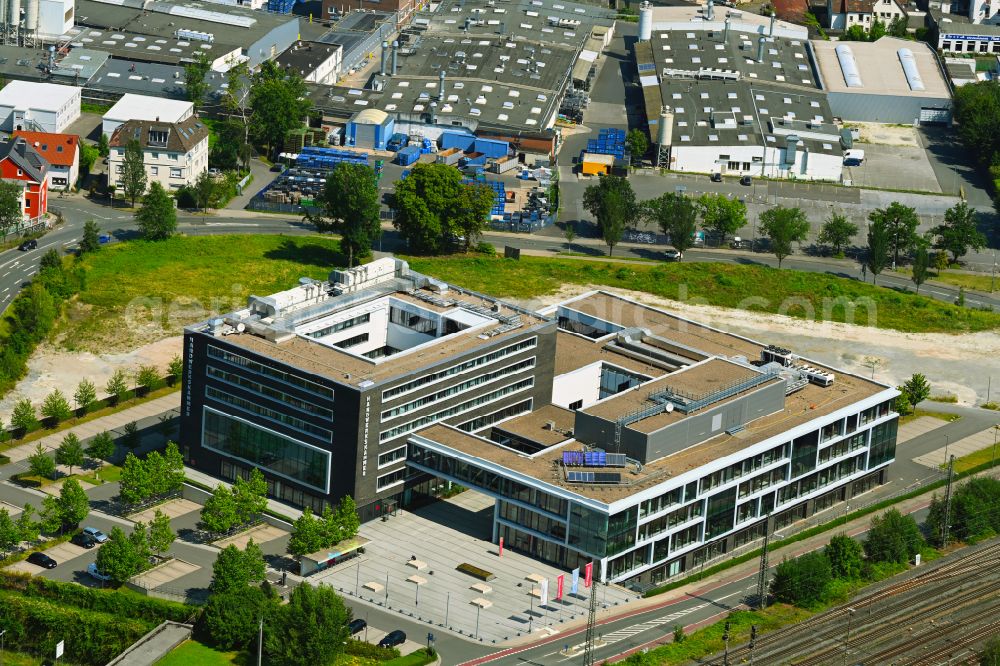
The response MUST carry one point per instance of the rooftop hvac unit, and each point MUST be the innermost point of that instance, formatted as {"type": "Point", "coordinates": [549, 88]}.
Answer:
{"type": "Point", "coordinates": [815, 375]}
{"type": "Point", "coordinates": [779, 355]}
{"type": "Point", "coordinates": [195, 35]}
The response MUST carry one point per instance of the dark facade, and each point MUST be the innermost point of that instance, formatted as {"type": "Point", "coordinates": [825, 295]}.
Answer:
{"type": "Point", "coordinates": [317, 439]}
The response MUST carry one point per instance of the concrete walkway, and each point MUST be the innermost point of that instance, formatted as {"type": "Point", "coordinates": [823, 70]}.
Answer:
{"type": "Point", "coordinates": [112, 423]}
{"type": "Point", "coordinates": [963, 447]}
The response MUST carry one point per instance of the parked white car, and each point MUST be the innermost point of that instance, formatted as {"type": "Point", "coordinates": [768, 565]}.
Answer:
{"type": "Point", "coordinates": [96, 573]}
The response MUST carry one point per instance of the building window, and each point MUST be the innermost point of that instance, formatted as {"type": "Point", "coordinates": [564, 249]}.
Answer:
{"type": "Point", "coordinates": [176, 173]}
{"type": "Point", "coordinates": [340, 326]}
{"type": "Point", "coordinates": [389, 457]}
{"type": "Point", "coordinates": [258, 446]}
{"type": "Point", "coordinates": [270, 414]}
{"type": "Point", "coordinates": [20, 173]}
{"type": "Point", "coordinates": [266, 391]}
{"type": "Point", "coordinates": [576, 404]}
{"type": "Point", "coordinates": [153, 171]}
{"type": "Point", "coordinates": [352, 342]}
{"type": "Point", "coordinates": [481, 422]}
{"type": "Point", "coordinates": [883, 446]}
{"type": "Point", "coordinates": [118, 168]}
{"type": "Point", "coordinates": [274, 373]}
{"type": "Point", "coordinates": [392, 478]}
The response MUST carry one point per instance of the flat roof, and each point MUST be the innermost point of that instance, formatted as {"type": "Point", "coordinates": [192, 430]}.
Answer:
{"type": "Point", "coordinates": [880, 68]}
{"type": "Point", "coordinates": [534, 426]}
{"type": "Point", "coordinates": [811, 402]}
{"type": "Point", "coordinates": [957, 24]}
{"type": "Point", "coordinates": [305, 57]}
{"type": "Point", "coordinates": [144, 107]}
{"type": "Point", "coordinates": [575, 351]}
{"type": "Point", "coordinates": [37, 95]}
{"type": "Point", "coordinates": [688, 16]}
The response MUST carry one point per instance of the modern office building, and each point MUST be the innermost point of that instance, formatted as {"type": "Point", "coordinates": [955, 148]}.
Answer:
{"type": "Point", "coordinates": [668, 444]}
{"type": "Point", "coordinates": [319, 386]}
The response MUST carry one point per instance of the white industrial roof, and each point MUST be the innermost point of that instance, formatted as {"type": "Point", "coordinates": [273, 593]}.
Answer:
{"type": "Point", "coordinates": [889, 66]}
{"type": "Point", "coordinates": [143, 107]}
{"type": "Point", "coordinates": [43, 96]}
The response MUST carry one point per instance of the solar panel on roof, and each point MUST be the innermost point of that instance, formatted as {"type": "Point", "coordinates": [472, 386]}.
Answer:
{"type": "Point", "coordinates": [616, 460]}
{"type": "Point", "coordinates": [607, 477]}
{"type": "Point", "coordinates": [580, 477]}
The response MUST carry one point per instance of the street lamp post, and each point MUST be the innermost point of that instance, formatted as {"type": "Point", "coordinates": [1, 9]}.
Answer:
{"type": "Point", "coordinates": [996, 429]}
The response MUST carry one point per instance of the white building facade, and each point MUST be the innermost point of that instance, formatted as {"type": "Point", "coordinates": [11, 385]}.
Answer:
{"type": "Point", "coordinates": [174, 154]}
{"type": "Point", "coordinates": [42, 107]}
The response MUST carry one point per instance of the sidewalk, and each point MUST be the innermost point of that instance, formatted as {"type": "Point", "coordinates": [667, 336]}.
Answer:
{"type": "Point", "coordinates": [111, 423]}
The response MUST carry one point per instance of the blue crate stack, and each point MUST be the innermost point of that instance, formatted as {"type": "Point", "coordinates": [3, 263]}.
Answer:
{"type": "Point", "coordinates": [609, 141]}
{"type": "Point", "coordinates": [318, 157]}
{"type": "Point", "coordinates": [499, 190]}
{"type": "Point", "coordinates": [280, 6]}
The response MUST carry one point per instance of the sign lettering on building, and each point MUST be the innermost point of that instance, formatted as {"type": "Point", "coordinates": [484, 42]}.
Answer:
{"type": "Point", "coordinates": [364, 451]}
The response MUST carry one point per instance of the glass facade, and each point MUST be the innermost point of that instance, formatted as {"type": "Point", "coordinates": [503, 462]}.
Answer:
{"type": "Point", "coordinates": [266, 391]}
{"type": "Point", "coordinates": [266, 370]}
{"type": "Point", "coordinates": [720, 513]}
{"type": "Point", "coordinates": [615, 380]}
{"type": "Point", "coordinates": [804, 454]}
{"type": "Point", "coordinates": [269, 450]}
{"type": "Point", "coordinates": [883, 447]}
{"type": "Point", "coordinates": [532, 520]}
{"type": "Point", "coordinates": [588, 530]}
{"type": "Point", "coordinates": [621, 530]}
{"type": "Point", "coordinates": [255, 409]}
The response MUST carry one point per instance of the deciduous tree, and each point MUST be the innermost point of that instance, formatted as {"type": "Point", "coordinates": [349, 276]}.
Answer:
{"type": "Point", "coordinates": [195, 85]}
{"type": "Point", "coordinates": [73, 503]}
{"type": "Point", "coordinates": [349, 205]}
{"type": "Point", "coordinates": [85, 396]}
{"type": "Point", "coordinates": [9, 534]}
{"type": "Point", "coordinates": [721, 215]}
{"type": "Point", "coordinates": [235, 569]}
{"type": "Point", "coordinates": [249, 497]}
{"type": "Point", "coordinates": [307, 535]}
{"type": "Point", "coordinates": [845, 555]}
{"type": "Point", "coordinates": [23, 417]}
{"type": "Point", "coordinates": [893, 537]}
{"type": "Point", "coordinates": [157, 217]}
{"type": "Point", "coordinates": [133, 176]}
{"type": "Point", "coordinates": [231, 618]}
{"type": "Point", "coordinates": [219, 514]}
{"type": "Point", "coordinates": [70, 452]}
{"type": "Point", "coordinates": [676, 215]}
{"type": "Point", "coordinates": [119, 557]}
{"type": "Point", "coordinates": [278, 102]}
{"type": "Point", "coordinates": [637, 143]}
{"type": "Point", "coordinates": [837, 232]}
{"type": "Point", "coordinates": [56, 407]}
{"type": "Point", "coordinates": [41, 464]}
{"type": "Point", "coordinates": [802, 581]}
{"type": "Point", "coordinates": [612, 203]}
{"type": "Point", "coordinates": [102, 446]}
{"type": "Point", "coordinates": [311, 629]}
{"type": "Point", "coordinates": [921, 263]}
{"type": "Point", "coordinates": [900, 223]}
{"type": "Point", "coordinates": [134, 484]}
{"type": "Point", "coordinates": [147, 377]}
{"type": "Point", "coordinates": [784, 226]}
{"type": "Point", "coordinates": [960, 231]}
{"type": "Point", "coordinates": [11, 214]}
{"type": "Point", "coordinates": [879, 246]}
{"type": "Point", "coordinates": [160, 533]}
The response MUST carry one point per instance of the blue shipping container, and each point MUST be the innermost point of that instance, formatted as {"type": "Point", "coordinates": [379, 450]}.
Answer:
{"type": "Point", "coordinates": [408, 155]}
{"type": "Point", "coordinates": [459, 140]}
{"type": "Point", "coordinates": [491, 148]}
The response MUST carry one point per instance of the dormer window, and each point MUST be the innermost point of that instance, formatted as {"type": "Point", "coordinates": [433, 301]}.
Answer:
{"type": "Point", "coordinates": [158, 137]}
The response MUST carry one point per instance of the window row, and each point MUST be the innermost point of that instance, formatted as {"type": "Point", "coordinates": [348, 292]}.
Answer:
{"type": "Point", "coordinates": [486, 420]}
{"type": "Point", "coordinates": [461, 387]}
{"type": "Point", "coordinates": [267, 391]}
{"type": "Point", "coordinates": [274, 373]}
{"type": "Point", "coordinates": [670, 520]}
{"type": "Point", "coordinates": [762, 481]}
{"type": "Point", "coordinates": [668, 499]}
{"type": "Point", "coordinates": [843, 447]}
{"type": "Point", "coordinates": [415, 424]}
{"type": "Point", "coordinates": [273, 452]}
{"type": "Point", "coordinates": [744, 467]}
{"type": "Point", "coordinates": [412, 321]}
{"type": "Point", "coordinates": [352, 341]}
{"type": "Point", "coordinates": [269, 414]}
{"type": "Point", "coordinates": [471, 364]}
{"type": "Point", "coordinates": [532, 520]}
{"type": "Point", "coordinates": [392, 478]}
{"type": "Point", "coordinates": [822, 478]}
{"type": "Point", "coordinates": [389, 457]}
{"type": "Point", "coordinates": [341, 326]}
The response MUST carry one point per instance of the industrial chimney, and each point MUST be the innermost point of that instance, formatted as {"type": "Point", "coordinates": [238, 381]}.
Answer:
{"type": "Point", "coordinates": [725, 32]}
{"type": "Point", "coordinates": [441, 85]}
{"type": "Point", "coordinates": [710, 11]}
{"type": "Point", "coordinates": [770, 30]}
{"type": "Point", "coordinates": [395, 56]}
{"type": "Point", "coordinates": [760, 48]}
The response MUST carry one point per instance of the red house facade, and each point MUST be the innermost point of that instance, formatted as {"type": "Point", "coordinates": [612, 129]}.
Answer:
{"type": "Point", "coordinates": [19, 161]}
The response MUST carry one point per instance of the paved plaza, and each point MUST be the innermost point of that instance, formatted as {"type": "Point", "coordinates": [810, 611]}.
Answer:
{"type": "Point", "coordinates": [918, 426]}
{"type": "Point", "coordinates": [440, 537]}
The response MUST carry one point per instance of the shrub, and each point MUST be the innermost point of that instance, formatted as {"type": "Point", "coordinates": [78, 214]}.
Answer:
{"type": "Point", "coordinates": [369, 651]}
{"type": "Point", "coordinates": [488, 249]}
{"type": "Point", "coordinates": [803, 581]}
{"type": "Point", "coordinates": [893, 537]}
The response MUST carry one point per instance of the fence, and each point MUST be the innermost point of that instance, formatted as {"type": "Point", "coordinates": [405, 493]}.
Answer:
{"type": "Point", "coordinates": [34, 225]}
{"type": "Point", "coordinates": [522, 225]}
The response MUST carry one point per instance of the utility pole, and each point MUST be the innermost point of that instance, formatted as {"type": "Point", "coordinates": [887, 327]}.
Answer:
{"type": "Point", "coordinates": [847, 640]}
{"type": "Point", "coordinates": [260, 641]}
{"type": "Point", "coordinates": [762, 574]}
{"type": "Point", "coordinates": [996, 429]}
{"type": "Point", "coordinates": [725, 637]}
{"type": "Point", "coordinates": [753, 641]}
{"type": "Point", "coordinates": [588, 643]}
{"type": "Point", "coordinates": [947, 504]}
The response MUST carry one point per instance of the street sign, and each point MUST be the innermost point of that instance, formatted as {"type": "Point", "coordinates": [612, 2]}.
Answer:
{"type": "Point", "coordinates": [60, 646]}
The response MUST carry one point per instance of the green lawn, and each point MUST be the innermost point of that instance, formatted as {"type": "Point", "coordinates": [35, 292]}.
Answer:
{"type": "Point", "coordinates": [917, 413]}
{"type": "Point", "coordinates": [140, 291]}
{"type": "Point", "coordinates": [418, 658]}
{"type": "Point", "coordinates": [193, 653]}
{"type": "Point", "coordinates": [975, 458]}
{"type": "Point", "coordinates": [107, 474]}
{"type": "Point", "coordinates": [799, 294]}
{"type": "Point", "coordinates": [977, 282]}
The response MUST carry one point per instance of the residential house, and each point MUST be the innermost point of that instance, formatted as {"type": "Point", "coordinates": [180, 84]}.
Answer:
{"type": "Point", "coordinates": [61, 151]}
{"type": "Point", "coordinates": [175, 154]}
{"type": "Point", "coordinates": [842, 14]}
{"type": "Point", "coordinates": [20, 162]}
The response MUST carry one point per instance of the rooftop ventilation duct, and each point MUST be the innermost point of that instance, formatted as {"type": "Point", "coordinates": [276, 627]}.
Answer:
{"type": "Point", "coordinates": [385, 57]}
{"type": "Point", "coordinates": [760, 48]}
{"type": "Point", "coordinates": [770, 29]}
{"type": "Point", "coordinates": [710, 11]}
{"type": "Point", "coordinates": [395, 56]}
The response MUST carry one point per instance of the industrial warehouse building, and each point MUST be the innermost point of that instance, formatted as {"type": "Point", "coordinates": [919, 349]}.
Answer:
{"type": "Point", "coordinates": [888, 81]}
{"type": "Point", "coordinates": [606, 430]}
{"type": "Point", "coordinates": [38, 107]}
{"type": "Point", "coordinates": [739, 94]}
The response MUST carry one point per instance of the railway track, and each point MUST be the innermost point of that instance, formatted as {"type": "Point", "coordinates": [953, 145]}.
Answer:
{"type": "Point", "coordinates": [781, 646]}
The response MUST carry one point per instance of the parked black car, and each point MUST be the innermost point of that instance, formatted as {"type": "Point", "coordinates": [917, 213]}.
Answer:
{"type": "Point", "coordinates": [84, 540]}
{"type": "Point", "coordinates": [392, 639]}
{"type": "Point", "coordinates": [28, 245]}
{"type": "Point", "coordinates": [746, 180]}
{"type": "Point", "coordinates": [716, 177]}
{"type": "Point", "coordinates": [42, 560]}
{"type": "Point", "coordinates": [357, 626]}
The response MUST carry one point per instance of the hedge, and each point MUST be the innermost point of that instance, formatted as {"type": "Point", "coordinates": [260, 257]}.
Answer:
{"type": "Point", "coordinates": [122, 603]}
{"type": "Point", "coordinates": [36, 625]}
{"type": "Point", "coordinates": [357, 648]}
{"type": "Point", "coordinates": [4, 459]}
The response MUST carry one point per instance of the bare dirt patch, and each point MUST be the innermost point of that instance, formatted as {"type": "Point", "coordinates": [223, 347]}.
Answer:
{"type": "Point", "coordinates": [888, 135]}
{"type": "Point", "coordinates": [955, 364]}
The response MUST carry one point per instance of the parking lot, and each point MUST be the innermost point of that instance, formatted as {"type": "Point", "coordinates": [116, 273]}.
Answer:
{"type": "Point", "coordinates": [893, 167]}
